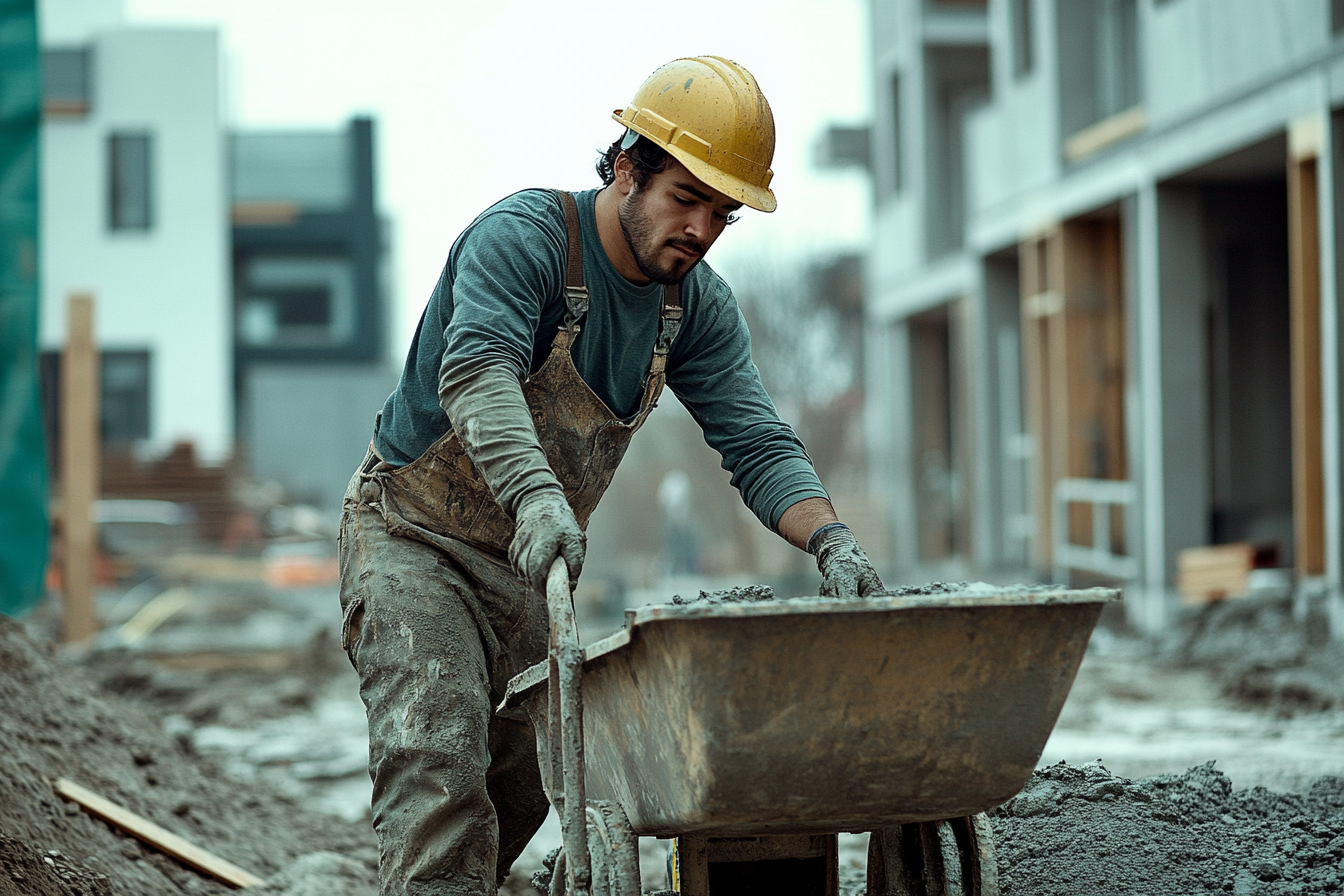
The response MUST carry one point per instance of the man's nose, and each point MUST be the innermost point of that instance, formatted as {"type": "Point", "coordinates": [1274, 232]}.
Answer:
{"type": "Point", "coordinates": [699, 225]}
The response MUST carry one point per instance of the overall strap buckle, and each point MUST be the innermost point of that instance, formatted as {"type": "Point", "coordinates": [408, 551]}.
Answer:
{"type": "Point", "coordinates": [576, 306]}
{"type": "Point", "coordinates": [576, 293]}
{"type": "Point", "coordinates": [669, 325]}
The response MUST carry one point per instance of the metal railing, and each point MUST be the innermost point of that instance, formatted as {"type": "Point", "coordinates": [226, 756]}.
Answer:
{"type": "Point", "coordinates": [1102, 494]}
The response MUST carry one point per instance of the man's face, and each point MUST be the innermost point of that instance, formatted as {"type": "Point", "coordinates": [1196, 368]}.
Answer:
{"type": "Point", "coordinates": [671, 223]}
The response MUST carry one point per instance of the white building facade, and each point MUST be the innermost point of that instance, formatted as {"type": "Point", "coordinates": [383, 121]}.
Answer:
{"type": "Point", "coordinates": [135, 211]}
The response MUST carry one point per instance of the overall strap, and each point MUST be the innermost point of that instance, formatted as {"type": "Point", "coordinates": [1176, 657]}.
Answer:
{"type": "Point", "coordinates": [576, 293]}
{"type": "Point", "coordinates": [669, 325]}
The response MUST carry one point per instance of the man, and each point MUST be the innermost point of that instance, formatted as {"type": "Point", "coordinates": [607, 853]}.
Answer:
{"type": "Point", "coordinates": [554, 326]}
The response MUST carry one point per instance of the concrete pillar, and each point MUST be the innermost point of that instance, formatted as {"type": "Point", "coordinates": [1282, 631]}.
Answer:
{"type": "Point", "coordinates": [1332, 389]}
{"type": "Point", "coordinates": [1183, 304]}
{"type": "Point", "coordinates": [887, 434]}
{"type": "Point", "coordinates": [1170, 374]}
{"type": "Point", "coordinates": [905, 519]}
{"type": "Point", "coordinates": [979, 377]}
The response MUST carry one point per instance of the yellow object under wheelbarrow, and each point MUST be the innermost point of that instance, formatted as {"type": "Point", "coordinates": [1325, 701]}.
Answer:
{"type": "Point", "coordinates": [753, 732]}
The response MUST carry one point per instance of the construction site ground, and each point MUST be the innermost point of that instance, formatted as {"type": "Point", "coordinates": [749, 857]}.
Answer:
{"type": "Point", "coordinates": [224, 710]}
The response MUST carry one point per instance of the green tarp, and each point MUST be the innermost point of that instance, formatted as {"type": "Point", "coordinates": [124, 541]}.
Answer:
{"type": "Point", "coordinates": [23, 474]}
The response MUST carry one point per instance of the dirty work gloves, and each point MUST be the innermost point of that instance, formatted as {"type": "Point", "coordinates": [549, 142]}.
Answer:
{"type": "Point", "coordinates": [546, 529]}
{"type": "Point", "coordinates": [845, 570]}
{"type": "Point", "coordinates": [484, 401]}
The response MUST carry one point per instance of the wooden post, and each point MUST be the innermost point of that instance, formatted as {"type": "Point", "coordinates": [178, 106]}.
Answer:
{"type": "Point", "coordinates": [1304, 280]}
{"type": "Point", "coordinates": [1073, 367]}
{"type": "Point", "coordinates": [81, 453]}
{"type": "Point", "coordinates": [692, 866]}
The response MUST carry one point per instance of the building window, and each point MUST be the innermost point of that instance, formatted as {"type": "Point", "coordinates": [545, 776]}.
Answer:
{"type": "Point", "coordinates": [897, 160]}
{"type": "Point", "coordinates": [67, 77]}
{"type": "Point", "coordinates": [296, 302]}
{"type": "Point", "coordinates": [123, 398]}
{"type": "Point", "coordinates": [1117, 73]}
{"type": "Point", "coordinates": [130, 159]}
{"type": "Point", "coordinates": [1023, 57]}
{"type": "Point", "coordinates": [1099, 61]}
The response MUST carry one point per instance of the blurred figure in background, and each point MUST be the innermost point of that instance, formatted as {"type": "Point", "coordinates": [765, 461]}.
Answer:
{"type": "Point", "coordinates": [680, 551]}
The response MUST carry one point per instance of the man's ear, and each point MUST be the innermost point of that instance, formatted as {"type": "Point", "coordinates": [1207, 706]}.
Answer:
{"type": "Point", "coordinates": [624, 170]}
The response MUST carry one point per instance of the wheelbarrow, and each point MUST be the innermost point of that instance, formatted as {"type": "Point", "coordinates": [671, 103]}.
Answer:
{"type": "Point", "coordinates": [752, 733]}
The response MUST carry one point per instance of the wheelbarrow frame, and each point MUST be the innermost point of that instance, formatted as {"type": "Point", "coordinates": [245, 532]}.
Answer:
{"type": "Point", "coordinates": [699, 668]}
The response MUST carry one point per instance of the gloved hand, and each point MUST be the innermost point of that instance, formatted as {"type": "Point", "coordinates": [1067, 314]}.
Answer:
{"type": "Point", "coordinates": [545, 528]}
{"type": "Point", "coordinates": [845, 570]}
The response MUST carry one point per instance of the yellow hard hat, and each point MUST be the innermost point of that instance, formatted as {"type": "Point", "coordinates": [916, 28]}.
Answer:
{"type": "Point", "coordinates": [711, 116]}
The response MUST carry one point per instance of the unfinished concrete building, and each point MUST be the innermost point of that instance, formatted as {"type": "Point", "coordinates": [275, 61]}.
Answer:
{"type": "Point", "coordinates": [1103, 290]}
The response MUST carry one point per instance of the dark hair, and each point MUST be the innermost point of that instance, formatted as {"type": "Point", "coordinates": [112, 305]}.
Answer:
{"type": "Point", "coordinates": [648, 158]}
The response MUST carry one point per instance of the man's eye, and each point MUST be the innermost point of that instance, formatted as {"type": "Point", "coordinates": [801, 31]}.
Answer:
{"type": "Point", "coordinates": [682, 200]}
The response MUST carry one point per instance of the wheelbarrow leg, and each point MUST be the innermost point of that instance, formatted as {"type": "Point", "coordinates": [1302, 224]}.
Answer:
{"type": "Point", "coordinates": [934, 858]}
{"type": "Point", "coordinates": [601, 852]}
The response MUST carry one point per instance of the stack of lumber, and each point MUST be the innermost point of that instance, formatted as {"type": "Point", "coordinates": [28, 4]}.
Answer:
{"type": "Point", "coordinates": [1212, 573]}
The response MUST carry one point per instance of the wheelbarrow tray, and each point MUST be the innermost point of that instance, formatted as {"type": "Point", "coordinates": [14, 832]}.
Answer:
{"type": "Point", "coordinates": [814, 715]}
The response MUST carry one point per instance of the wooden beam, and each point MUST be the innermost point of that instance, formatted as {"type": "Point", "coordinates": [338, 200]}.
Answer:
{"type": "Point", "coordinates": [81, 454]}
{"type": "Point", "coordinates": [160, 838]}
{"type": "Point", "coordinates": [692, 866]}
{"type": "Point", "coordinates": [1304, 278]}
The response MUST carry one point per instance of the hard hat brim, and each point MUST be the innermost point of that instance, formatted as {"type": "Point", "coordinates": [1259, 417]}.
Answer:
{"type": "Point", "coordinates": [760, 198]}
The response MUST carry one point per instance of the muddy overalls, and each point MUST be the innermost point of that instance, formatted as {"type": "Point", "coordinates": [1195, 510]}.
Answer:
{"type": "Point", "coordinates": [436, 622]}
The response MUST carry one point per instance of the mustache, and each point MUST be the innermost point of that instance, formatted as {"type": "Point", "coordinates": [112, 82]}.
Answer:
{"type": "Point", "coordinates": [693, 245]}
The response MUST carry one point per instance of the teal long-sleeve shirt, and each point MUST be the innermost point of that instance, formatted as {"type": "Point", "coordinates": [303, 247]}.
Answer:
{"type": "Point", "coordinates": [500, 298]}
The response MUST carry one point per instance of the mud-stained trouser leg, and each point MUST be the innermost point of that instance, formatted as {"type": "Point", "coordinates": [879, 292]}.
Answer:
{"type": "Point", "coordinates": [457, 792]}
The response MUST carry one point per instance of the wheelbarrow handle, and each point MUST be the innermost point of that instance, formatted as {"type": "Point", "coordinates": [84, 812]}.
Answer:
{"type": "Point", "coordinates": [565, 724]}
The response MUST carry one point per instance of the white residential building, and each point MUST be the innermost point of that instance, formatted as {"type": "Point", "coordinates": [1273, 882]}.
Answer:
{"type": "Point", "coordinates": [135, 210]}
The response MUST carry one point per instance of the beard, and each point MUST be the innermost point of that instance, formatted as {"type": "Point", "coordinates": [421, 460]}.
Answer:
{"type": "Point", "coordinates": [640, 230]}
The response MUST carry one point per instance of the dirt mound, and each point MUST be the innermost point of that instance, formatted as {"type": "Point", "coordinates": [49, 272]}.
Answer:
{"type": "Point", "coordinates": [1080, 829]}
{"type": "Point", "coordinates": [1263, 656]}
{"type": "Point", "coordinates": [55, 723]}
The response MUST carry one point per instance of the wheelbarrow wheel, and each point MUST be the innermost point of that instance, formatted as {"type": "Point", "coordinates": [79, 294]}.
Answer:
{"type": "Point", "coordinates": [613, 851]}
{"type": "Point", "coordinates": [954, 857]}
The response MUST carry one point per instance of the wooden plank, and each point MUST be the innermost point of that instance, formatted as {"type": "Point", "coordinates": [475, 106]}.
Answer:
{"type": "Point", "coordinates": [1211, 573]}
{"type": "Point", "coordinates": [1239, 554]}
{"type": "Point", "coordinates": [1305, 320]}
{"type": "Point", "coordinates": [160, 838]}
{"type": "Point", "coordinates": [81, 455]}
{"type": "Point", "coordinates": [1104, 133]}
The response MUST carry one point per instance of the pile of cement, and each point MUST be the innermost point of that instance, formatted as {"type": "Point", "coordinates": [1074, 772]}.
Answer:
{"type": "Point", "coordinates": [753, 593]}
{"type": "Point", "coordinates": [1080, 829]}
{"type": "Point", "coordinates": [1261, 655]}
{"type": "Point", "coordinates": [55, 723]}
{"type": "Point", "coordinates": [742, 594]}
{"type": "Point", "coordinates": [926, 589]}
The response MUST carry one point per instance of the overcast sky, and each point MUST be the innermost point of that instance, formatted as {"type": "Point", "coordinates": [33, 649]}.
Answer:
{"type": "Point", "coordinates": [473, 100]}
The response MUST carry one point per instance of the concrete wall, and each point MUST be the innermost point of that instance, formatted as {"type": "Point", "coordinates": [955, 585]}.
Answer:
{"type": "Point", "coordinates": [1195, 51]}
{"type": "Point", "coordinates": [164, 289]}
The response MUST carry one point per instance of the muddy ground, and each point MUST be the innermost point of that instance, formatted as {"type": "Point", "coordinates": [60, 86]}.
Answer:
{"type": "Point", "coordinates": [236, 724]}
